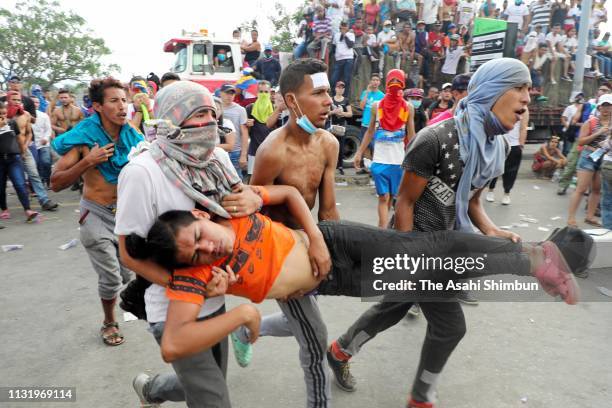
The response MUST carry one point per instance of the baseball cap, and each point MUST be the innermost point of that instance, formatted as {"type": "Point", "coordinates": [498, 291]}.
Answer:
{"type": "Point", "coordinates": [447, 85]}
{"type": "Point", "coordinates": [452, 25]}
{"type": "Point", "coordinates": [413, 93]}
{"type": "Point", "coordinates": [421, 22]}
{"type": "Point", "coordinates": [607, 98]}
{"type": "Point", "coordinates": [15, 78]}
{"type": "Point", "coordinates": [228, 88]}
{"type": "Point", "coordinates": [460, 82]}
{"type": "Point", "coordinates": [268, 47]}
{"type": "Point", "coordinates": [575, 95]}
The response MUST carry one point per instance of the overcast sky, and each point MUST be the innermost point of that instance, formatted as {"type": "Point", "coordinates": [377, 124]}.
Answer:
{"type": "Point", "coordinates": [136, 30]}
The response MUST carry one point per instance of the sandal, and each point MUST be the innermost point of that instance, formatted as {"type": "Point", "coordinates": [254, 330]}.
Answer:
{"type": "Point", "coordinates": [112, 339]}
{"type": "Point", "coordinates": [572, 224]}
{"type": "Point", "coordinates": [5, 215]}
{"type": "Point", "coordinates": [594, 223]}
{"type": "Point", "coordinates": [31, 217]}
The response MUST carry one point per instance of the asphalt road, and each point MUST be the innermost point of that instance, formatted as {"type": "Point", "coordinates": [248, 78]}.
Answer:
{"type": "Point", "coordinates": [521, 354]}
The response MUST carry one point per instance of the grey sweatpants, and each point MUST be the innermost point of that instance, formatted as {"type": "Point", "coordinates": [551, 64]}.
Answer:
{"type": "Point", "coordinates": [302, 319]}
{"type": "Point", "coordinates": [102, 246]}
{"type": "Point", "coordinates": [199, 380]}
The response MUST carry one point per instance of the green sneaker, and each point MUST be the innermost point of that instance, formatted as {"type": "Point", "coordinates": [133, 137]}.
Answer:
{"type": "Point", "coordinates": [242, 351]}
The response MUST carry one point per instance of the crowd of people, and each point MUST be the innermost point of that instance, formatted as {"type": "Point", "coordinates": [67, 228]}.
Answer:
{"type": "Point", "coordinates": [174, 178]}
{"type": "Point", "coordinates": [431, 40]}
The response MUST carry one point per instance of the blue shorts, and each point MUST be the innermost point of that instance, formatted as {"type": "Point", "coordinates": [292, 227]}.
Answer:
{"type": "Point", "coordinates": [387, 178]}
{"type": "Point", "coordinates": [586, 163]}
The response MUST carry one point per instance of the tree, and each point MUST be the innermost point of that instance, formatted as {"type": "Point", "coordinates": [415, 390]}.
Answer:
{"type": "Point", "coordinates": [285, 27]}
{"type": "Point", "coordinates": [43, 44]}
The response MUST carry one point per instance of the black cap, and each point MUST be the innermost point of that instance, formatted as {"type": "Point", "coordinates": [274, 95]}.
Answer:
{"type": "Point", "coordinates": [460, 82]}
{"type": "Point", "coordinates": [15, 78]}
{"type": "Point", "coordinates": [228, 88]}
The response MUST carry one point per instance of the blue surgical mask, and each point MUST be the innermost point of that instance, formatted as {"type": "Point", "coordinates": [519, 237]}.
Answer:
{"type": "Point", "coordinates": [416, 103]}
{"type": "Point", "coordinates": [386, 29]}
{"type": "Point", "coordinates": [221, 57]}
{"type": "Point", "coordinates": [518, 2]}
{"type": "Point", "coordinates": [304, 122]}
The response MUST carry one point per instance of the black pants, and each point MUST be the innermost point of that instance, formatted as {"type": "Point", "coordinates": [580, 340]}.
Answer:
{"type": "Point", "coordinates": [511, 168]}
{"type": "Point", "coordinates": [445, 321]}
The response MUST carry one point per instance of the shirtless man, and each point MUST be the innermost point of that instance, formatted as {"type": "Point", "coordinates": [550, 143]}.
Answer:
{"type": "Point", "coordinates": [66, 116]}
{"type": "Point", "coordinates": [302, 155]}
{"type": "Point", "coordinates": [89, 152]}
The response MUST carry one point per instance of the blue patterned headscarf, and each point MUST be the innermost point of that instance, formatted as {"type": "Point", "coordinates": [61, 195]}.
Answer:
{"type": "Point", "coordinates": [481, 149]}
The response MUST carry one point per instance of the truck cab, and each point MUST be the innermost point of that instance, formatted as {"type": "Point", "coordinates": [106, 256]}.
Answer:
{"type": "Point", "coordinates": [195, 59]}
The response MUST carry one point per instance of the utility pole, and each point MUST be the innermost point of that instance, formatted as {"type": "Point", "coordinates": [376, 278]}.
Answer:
{"type": "Point", "coordinates": [583, 43]}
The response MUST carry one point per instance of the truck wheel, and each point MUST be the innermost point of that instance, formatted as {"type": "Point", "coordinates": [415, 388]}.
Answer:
{"type": "Point", "coordinates": [351, 145]}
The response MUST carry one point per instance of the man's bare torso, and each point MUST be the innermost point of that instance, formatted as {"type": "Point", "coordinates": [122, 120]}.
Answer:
{"type": "Point", "coordinates": [95, 187]}
{"type": "Point", "coordinates": [301, 165]}
{"type": "Point", "coordinates": [66, 117]}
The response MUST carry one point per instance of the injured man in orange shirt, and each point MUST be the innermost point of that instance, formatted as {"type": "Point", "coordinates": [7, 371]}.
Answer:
{"type": "Point", "coordinates": [257, 258]}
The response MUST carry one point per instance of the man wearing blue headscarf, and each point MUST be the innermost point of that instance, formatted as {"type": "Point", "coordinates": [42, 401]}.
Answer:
{"type": "Point", "coordinates": [447, 166]}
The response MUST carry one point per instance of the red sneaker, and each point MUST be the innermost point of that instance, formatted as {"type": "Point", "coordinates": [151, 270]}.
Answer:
{"type": "Point", "coordinates": [555, 275]}
{"type": "Point", "coordinates": [416, 404]}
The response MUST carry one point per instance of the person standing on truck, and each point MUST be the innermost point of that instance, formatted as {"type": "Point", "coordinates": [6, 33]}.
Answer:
{"type": "Point", "coordinates": [253, 50]}
{"type": "Point", "coordinates": [268, 68]}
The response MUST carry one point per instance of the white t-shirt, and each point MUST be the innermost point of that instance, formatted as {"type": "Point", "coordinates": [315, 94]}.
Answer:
{"type": "Point", "coordinates": [516, 13]}
{"type": "Point", "coordinates": [42, 129]}
{"type": "Point", "coordinates": [569, 113]}
{"type": "Point", "coordinates": [144, 193]}
{"type": "Point", "coordinates": [335, 13]}
{"type": "Point", "coordinates": [371, 41]}
{"type": "Point", "coordinates": [384, 37]}
{"type": "Point", "coordinates": [554, 39]}
{"type": "Point", "coordinates": [570, 44]}
{"type": "Point", "coordinates": [343, 52]}
{"type": "Point", "coordinates": [597, 16]}
{"type": "Point", "coordinates": [513, 137]}
{"type": "Point", "coordinates": [466, 11]}
{"type": "Point", "coordinates": [238, 116]}
{"type": "Point", "coordinates": [430, 10]}
{"type": "Point", "coordinates": [452, 60]}
{"type": "Point", "coordinates": [573, 12]}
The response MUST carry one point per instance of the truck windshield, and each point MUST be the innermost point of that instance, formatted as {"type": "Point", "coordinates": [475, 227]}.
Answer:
{"type": "Point", "coordinates": [180, 61]}
{"type": "Point", "coordinates": [200, 58]}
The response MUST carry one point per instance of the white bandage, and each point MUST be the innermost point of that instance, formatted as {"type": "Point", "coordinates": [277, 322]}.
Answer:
{"type": "Point", "coordinates": [319, 80]}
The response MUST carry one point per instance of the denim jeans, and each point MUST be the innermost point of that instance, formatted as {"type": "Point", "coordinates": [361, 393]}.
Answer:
{"type": "Point", "coordinates": [235, 158]}
{"type": "Point", "coordinates": [30, 168]}
{"type": "Point", "coordinates": [11, 167]}
{"type": "Point", "coordinates": [44, 164]}
{"type": "Point", "coordinates": [300, 50]}
{"type": "Point", "coordinates": [606, 203]}
{"type": "Point", "coordinates": [343, 70]}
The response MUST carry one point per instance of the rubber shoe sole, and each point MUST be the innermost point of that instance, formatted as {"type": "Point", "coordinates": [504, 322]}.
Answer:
{"type": "Point", "coordinates": [337, 370]}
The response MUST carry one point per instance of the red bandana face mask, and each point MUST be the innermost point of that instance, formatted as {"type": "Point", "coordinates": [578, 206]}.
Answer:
{"type": "Point", "coordinates": [393, 112]}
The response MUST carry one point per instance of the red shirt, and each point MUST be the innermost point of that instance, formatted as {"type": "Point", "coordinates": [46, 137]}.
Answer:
{"type": "Point", "coordinates": [436, 41]}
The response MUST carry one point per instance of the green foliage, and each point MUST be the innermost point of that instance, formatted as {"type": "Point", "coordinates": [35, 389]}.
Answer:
{"type": "Point", "coordinates": [43, 44]}
{"type": "Point", "coordinates": [285, 27]}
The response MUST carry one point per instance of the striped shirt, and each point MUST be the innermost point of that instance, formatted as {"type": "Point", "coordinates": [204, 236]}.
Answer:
{"type": "Point", "coordinates": [322, 26]}
{"type": "Point", "coordinates": [540, 14]}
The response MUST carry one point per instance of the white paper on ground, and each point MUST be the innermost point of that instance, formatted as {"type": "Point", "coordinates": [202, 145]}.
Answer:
{"type": "Point", "coordinates": [543, 229]}
{"type": "Point", "coordinates": [128, 317]}
{"type": "Point", "coordinates": [605, 291]}
{"type": "Point", "coordinates": [12, 247]}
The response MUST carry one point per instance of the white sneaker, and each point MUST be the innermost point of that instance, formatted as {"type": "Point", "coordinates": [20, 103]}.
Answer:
{"type": "Point", "coordinates": [139, 383]}
{"type": "Point", "coordinates": [506, 199]}
{"type": "Point", "coordinates": [490, 196]}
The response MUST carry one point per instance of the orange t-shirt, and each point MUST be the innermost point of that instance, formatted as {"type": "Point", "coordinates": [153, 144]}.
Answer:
{"type": "Point", "coordinates": [259, 252]}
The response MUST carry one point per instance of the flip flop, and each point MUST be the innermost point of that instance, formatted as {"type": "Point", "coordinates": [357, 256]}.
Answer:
{"type": "Point", "coordinates": [5, 215]}
{"type": "Point", "coordinates": [594, 223]}
{"type": "Point", "coordinates": [32, 217]}
{"type": "Point", "coordinates": [109, 339]}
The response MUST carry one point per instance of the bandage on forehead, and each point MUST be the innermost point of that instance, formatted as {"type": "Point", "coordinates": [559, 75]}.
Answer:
{"type": "Point", "coordinates": [319, 80]}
